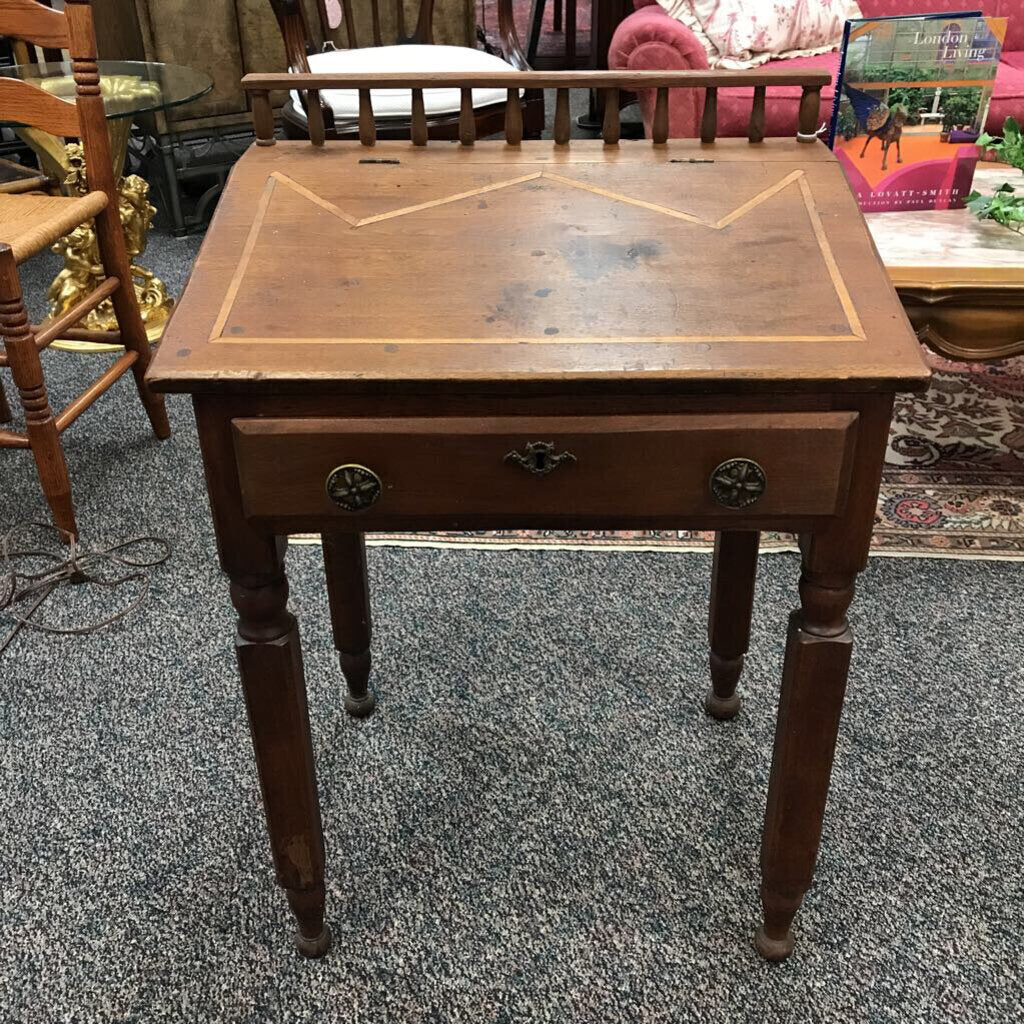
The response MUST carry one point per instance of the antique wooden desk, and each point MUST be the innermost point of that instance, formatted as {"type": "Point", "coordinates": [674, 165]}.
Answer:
{"type": "Point", "coordinates": [452, 336]}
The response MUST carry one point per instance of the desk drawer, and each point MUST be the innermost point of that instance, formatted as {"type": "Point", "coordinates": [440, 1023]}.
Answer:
{"type": "Point", "coordinates": [766, 464]}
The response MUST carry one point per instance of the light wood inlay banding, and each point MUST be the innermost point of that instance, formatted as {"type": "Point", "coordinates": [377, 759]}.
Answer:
{"type": "Point", "coordinates": [830, 261]}
{"type": "Point", "coordinates": [796, 176]}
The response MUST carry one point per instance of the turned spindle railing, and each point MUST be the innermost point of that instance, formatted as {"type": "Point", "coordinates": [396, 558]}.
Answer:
{"type": "Point", "coordinates": [608, 82]}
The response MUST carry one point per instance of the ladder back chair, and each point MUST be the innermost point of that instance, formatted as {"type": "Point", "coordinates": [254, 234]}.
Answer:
{"type": "Point", "coordinates": [30, 223]}
{"type": "Point", "coordinates": [369, 53]}
{"type": "Point", "coordinates": [17, 177]}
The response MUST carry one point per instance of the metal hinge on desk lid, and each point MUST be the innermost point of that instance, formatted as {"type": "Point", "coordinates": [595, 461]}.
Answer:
{"type": "Point", "coordinates": [539, 457]}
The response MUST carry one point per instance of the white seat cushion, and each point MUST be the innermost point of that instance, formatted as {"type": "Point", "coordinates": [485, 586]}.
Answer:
{"type": "Point", "coordinates": [397, 103]}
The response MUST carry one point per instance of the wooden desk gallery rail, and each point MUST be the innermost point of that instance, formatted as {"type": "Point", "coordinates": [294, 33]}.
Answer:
{"type": "Point", "coordinates": [609, 82]}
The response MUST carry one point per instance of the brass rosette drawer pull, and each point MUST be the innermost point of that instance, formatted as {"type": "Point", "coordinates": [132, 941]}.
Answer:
{"type": "Point", "coordinates": [539, 457]}
{"type": "Point", "coordinates": [737, 483]}
{"type": "Point", "coordinates": [353, 487]}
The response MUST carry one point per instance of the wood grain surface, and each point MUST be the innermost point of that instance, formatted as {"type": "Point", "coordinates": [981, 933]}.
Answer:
{"type": "Point", "coordinates": [443, 264]}
{"type": "Point", "coordinates": [621, 466]}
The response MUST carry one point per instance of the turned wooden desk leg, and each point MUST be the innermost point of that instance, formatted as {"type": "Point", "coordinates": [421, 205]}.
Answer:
{"type": "Point", "coordinates": [5, 409]}
{"type": "Point", "coordinates": [733, 571]}
{"type": "Point", "coordinates": [270, 661]}
{"type": "Point", "coordinates": [349, 597]}
{"type": "Point", "coordinates": [818, 648]}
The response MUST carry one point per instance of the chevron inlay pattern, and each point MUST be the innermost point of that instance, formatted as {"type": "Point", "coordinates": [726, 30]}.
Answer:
{"type": "Point", "coordinates": [797, 177]}
{"type": "Point", "coordinates": [618, 197]}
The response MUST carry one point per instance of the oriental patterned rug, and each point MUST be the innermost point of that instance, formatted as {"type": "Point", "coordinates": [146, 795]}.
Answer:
{"type": "Point", "coordinates": [953, 485]}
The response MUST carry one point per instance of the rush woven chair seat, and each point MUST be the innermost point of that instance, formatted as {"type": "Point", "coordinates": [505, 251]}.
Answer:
{"type": "Point", "coordinates": [29, 223]}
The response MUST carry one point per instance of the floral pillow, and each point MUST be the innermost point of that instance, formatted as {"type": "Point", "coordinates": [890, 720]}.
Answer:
{"type": "Point", "coordinates": [745, 33]}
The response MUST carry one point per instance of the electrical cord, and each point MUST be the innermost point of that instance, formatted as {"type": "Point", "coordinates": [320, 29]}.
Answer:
{"type": "Point", "coordinates": [23, 593]}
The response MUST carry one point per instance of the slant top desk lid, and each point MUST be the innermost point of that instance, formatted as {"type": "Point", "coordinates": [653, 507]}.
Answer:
{"type": "Point", "coordinates": [536, 267]}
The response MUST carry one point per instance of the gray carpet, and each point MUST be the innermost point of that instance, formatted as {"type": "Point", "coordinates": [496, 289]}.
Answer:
{"type": "Point", "coordinates": [538, 824]}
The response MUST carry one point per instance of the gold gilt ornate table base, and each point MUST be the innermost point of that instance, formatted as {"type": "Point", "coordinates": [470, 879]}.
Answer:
{"type": "Point", "coordinates": [83, 270]}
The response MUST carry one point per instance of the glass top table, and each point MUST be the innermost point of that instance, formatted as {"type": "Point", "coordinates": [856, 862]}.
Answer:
{"type": "Point", "coordinates": [129, 87]}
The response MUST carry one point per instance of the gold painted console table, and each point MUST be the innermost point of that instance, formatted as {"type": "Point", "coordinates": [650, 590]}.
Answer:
{"type": "Point", "coordinates": [129, 88]}
{"type": "Point", "coordinates": [508, 334]}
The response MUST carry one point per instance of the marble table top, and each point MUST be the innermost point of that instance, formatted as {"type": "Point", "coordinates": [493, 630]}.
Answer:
{"type": "Point", "coordinates": [952, 242]}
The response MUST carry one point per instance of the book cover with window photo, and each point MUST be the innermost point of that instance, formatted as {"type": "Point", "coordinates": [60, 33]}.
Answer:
{"type": "Point", "coordinates": [911, 98]}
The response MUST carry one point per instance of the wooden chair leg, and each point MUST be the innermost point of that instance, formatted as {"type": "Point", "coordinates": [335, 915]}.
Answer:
{"type": "Point", "coordinates": [536, 22]}
{"type": "Point", "coordinates": [27, 371]}
{"type": "Point", "coordinates": [5, 409]}
{"type": "Point", "coordinates": [733, 572]}
{"type": "Point", "coordinates": [349, 598]}
{"type": "Point", "coordinates": [110, 236]}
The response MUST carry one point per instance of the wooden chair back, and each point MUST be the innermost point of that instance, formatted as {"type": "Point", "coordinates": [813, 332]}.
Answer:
{"type": "Point", "coordinates": [25, 52]}
{"type": "Point", "coordinates": [72, 30]}
{"type": "Point", "coordinates": [291, 17]}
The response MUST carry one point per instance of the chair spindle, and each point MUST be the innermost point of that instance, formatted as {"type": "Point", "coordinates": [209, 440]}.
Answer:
{"type": "Point", "coordinates": [659, 129]}
{"type": "Point", "coordinates": [562, 123]}
{"type": "Point", "coordinates": [367, 128]}
{"type": "Point", "coordinates": [610, 128]}
{"type": "Point", "coordinates": [350, 24]}
{"type": "Point", "coordinates": [709, 122]}
{"type": "Point", "coordinates": [755, 130]}
{"type": "Point", "coordinates": [419, 119]}
{"type": "Point", "coordinates": [263, 118]}
{"type": "Point", "coordinates": [810, 105]}
{"type": "Point", "coordinates": [375, 11]}
{"type": "Point", "coordinates": [315, 117]}
{"type": "Point", "coordinates": [467, 123]}
{"type": "Point", "coordinates": [513, 118]}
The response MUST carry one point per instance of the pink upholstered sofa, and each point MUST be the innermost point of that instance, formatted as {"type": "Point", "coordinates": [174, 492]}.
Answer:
{"type": "Point", "coordinates": [649, 40]}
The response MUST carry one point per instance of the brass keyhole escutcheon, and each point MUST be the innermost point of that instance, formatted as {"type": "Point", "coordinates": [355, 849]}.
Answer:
{"type": "Point", "coordinates": [737, 483]}
{"type": "Point", "coordinates": [539, 457]}
{"type": "Point", "coordinates": [353, 487]}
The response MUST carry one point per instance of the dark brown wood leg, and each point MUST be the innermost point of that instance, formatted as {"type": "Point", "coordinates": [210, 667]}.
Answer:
{"type": "Point", "coordinates": [733, 571]}
{"type": "Point", "coordinates": [27, 370]}
{"type": "Point", "coordinates": [110, 236]}
{"type": "Point", "coordinates": [818, 647]}
{"type": "Point", "coordinates": [349, 596]}
{"type": "Point", "coordinates": [5, 409]}
{"type": "Point", "coordinates": [270, 661]}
